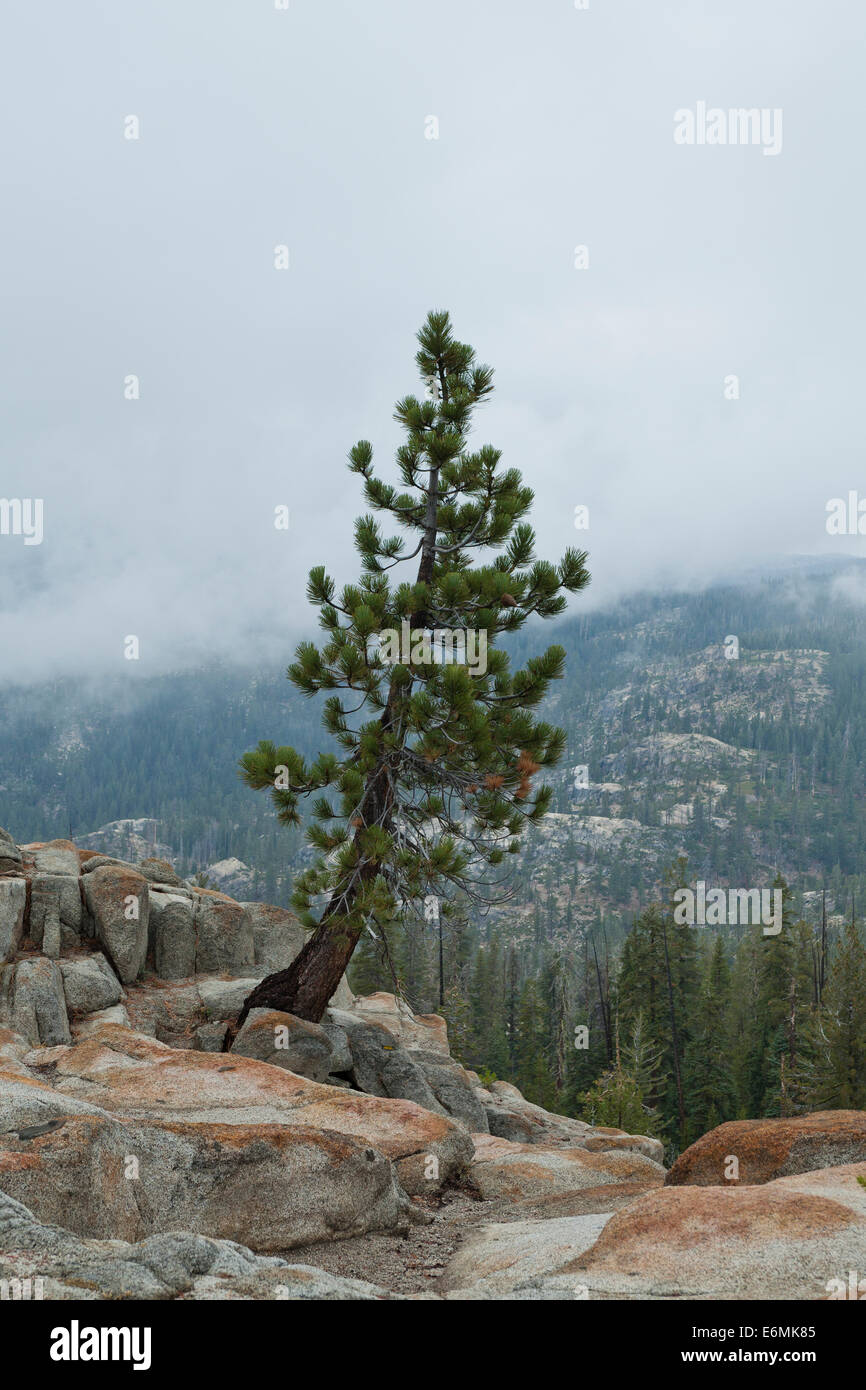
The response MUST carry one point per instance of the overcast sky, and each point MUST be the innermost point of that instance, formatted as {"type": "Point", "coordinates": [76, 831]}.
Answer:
{"type": "Point", "coordinates": [308, 127]}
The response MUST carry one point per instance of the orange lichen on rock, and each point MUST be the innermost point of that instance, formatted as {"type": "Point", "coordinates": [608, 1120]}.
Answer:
{"type": "Point", "coordinates": [665, 1223]}
{"type": "Point", "coordinates": [772, 1148]}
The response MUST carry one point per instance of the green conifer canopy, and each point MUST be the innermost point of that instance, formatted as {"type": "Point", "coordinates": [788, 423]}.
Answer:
{"type": "Point", "coordinates": [436, 768]}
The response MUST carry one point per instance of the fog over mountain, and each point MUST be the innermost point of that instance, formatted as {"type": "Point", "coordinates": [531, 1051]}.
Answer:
{"type": "Point", "coordinates": [257, 127]}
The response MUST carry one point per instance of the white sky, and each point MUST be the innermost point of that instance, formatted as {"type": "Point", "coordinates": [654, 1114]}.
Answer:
{"type": "Point", "coordinates": [307, 127]}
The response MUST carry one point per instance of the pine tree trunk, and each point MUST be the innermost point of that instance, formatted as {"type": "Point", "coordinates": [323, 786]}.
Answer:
{"type": "Point", "coordinates": [311, 980]}
{"type": "Point", "coordinates": [313, 976]}
{"type": "Point", "coordinates": [305, 988]}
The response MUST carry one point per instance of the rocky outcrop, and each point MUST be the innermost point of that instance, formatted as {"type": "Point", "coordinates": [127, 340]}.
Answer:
{"type": "Point", "coordinates": [793, 1238]}
{"type": "Point", "coordinates": [118, 902]}
{"type": "Point", "coordinates": [231, 876]}
{"type": "Point", "coordinates": [269, 1186]}
{"type": "Point", "coordinates": [89, 984]}
{"type": "Point", "coordinates": [516, 1172]}
{"type": "Point", "coordinates": [223, 934]}
{"type": "Point", "coordinates": [123, 1121]}
{"type": "Point", "coordinates": [285, 1041]}
{"type": "Point", "coordinates": [133, 839]}
{"type": "Point", "coordinates": [61, 1265]}
{"type": "Point", "coordinates": [130, 1075]}
{"type": "Point", "coordinates": [787, 1239]}
{"type": "Point", "coordinates": [427, 1032]}
{"type": "Point", "coordinates": [91, 1023]}
{"type": "Point", "coordinates": [381, 1067]}
{"type": "Point", "coordinates": [60, 857]}
{"type": "Point", "coordinates": [222, 998]}
{"type": "Point", "coordinates": [37, 1006]}
{"type": "Point", "coordinates": [13, 897]}
{"type": "Point", "coordinates": [55, 912]}
{"type": "Point", "coordinates": [169, 1011]}
{"type": "Point", "coordinates": [160, 871]}
{"type": "Point", "coordinates": [510, 1116]}
{"type": "Point", "coordinates": [451, 1085]}
{"type": "Point", "coordinates": [604, 1140]}
{"type": "Point", "coordinates": [768, 1149]}
{"type": "Point", "coordinates": [503, 1258]}
{"type": "Point", "coordinates": [58, 900]}
{"type": "Point", "coordinates": [10, 854]}
{"type": "Point", "coordinates": [182, 1012]}
{"type": "Point", "coordinates": [172, 932]}
{"type": "Point", "coordinates": [277, 936]}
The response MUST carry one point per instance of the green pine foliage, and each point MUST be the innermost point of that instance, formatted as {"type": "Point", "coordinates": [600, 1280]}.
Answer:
{"type": "Point", "coordinates": [709, 1073]}
{"type": "Point", "coordinates": [655, 948]}
{"type": "Point", "coordinates": [840, 1066]}
{"type": "Point", "coordinates": [531, 1062]}
{"type": "Point", "coordinates": [618, 1097]}
{"type": "Point", "coordinates": [615, 1101]}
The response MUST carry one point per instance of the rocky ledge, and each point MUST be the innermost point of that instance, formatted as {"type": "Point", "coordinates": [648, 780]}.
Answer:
{"type": "Point", "coordinates": [139, 1160]}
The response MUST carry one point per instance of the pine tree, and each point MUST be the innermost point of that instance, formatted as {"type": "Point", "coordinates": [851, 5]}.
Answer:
{"type": "Point", "coordinates": [437, 757]}
{"type": "Point", "coordinates": [587, 1054]}
{"type": "Point", "coordinates": [556, 993]}
{"type": "Point", "coordinates": [774, 1018]}
{"type": "Point", "coordinates": [841, 1068]}
{"type": "Point", "coordinates": [798, 1060]}
{"type": "Point", "coordinates": [658, 981]}
{"type": "Point", "coordinates": [644, 1062]}
{"type": "Point", "coordinates": [747, 1026]}
{"type": "Point", "coordinates": [457, 1012]}
{"type": "Point", "coordinates": [487, 996]}
{"type": "Point", "coordinates": [531, 1071]}
{"type": "Point", "coordinates": [615, 1098]}
{"type": "Point", "coordinates": [511, 1003]}
{"type": "Point", "coordinates": [709, 1078]}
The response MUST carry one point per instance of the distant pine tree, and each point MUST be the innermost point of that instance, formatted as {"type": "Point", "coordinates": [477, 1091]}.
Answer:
{"type": "Point", "coordinates": [644, 1063]}
{"type": "Point", "coordinates": [840, 1070]}
{"type": "Point", "coordinates": [457, 1012]}
{"type": "Point", "coordinates": [556, 992]}
{"type": "Point", "coordinates": [489, 1041]}
{"type": "Point", "coordinates": [657, 981]}
{"type": "Point", "coordinates": [615, 1098]}
{"type": "Point", "coordinates": [708, 1070]}
{"type": "Point", "coordinates": [775, 1017]}
{"type": "Point", "coordinates": [532, 1074]}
